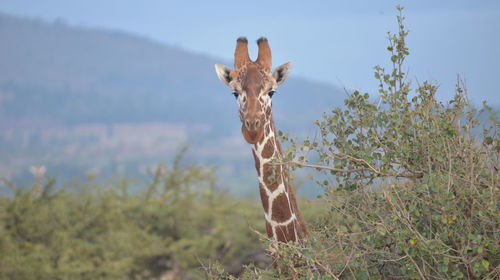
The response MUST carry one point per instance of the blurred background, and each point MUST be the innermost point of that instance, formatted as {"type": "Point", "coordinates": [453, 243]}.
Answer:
{"type": "Point", "coordinates": [113, 88]}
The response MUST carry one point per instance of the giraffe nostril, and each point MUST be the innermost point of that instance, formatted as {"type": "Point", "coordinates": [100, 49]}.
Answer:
{"type": "Point", "coordinates": [257, 122]}
{"type": "Point", "coordinates": [247, 123]}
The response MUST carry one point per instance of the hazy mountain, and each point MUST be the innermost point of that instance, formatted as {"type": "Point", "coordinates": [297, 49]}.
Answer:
{"type": "Point", "coordinates": [88, 100]}
{"type": "Point", "coordinates": [78, 75]}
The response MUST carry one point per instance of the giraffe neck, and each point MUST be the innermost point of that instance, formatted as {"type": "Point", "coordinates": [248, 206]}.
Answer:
{"type": "Point", "coordinates": [283, 220]}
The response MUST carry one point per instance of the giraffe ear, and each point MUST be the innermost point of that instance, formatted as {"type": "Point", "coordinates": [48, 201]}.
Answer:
{"type": "Point", "coordinates": [281, 72]}
{"type": "Point", "coordinates": [224, 73]}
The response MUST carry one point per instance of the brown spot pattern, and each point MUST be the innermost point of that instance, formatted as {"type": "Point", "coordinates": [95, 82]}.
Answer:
{"type": "Point", "coordinates": [268, 130]}
{"type": "Point", "coordinates": [271, 176]}
{"type": "Point", "coordinates": [264, 198]}
{"type": "Point", "coordinates": [269, 229]}
{"type": "Point", "coordinates": [286, 233]}
{"type": "Point", "coordinates": [268, 150]}
{"type": "Point", "coordinates": [281, 210]}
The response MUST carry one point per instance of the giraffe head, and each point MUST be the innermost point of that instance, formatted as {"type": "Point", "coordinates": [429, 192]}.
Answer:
{"type": "Point", "coordinates": [253, 84]}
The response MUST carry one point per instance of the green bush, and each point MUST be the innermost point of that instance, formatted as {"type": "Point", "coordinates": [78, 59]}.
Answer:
{"type": "Point", "coordinates": [176, 222]}
{"type": "Point", "coordinates": [412, 183]}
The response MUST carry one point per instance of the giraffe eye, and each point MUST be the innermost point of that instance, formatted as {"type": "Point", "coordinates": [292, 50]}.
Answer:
{"type": "Point", "coordinates": [235, 94]}
{"type": "Point", "coordinates": [271, 93]}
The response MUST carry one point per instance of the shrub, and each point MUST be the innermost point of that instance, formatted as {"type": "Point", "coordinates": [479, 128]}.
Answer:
{"type": "Point", "coordinates": [412, 183]}
{"type": "Point", "coordinates": [176, 222]}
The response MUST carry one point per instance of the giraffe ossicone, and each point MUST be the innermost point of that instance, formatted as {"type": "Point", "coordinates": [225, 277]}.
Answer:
{"type": "Point", "coordinates": [253, 84]}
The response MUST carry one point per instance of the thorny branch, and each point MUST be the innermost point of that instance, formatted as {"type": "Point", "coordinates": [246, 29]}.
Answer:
{"type": "Point", "coordinates": [368, 168]}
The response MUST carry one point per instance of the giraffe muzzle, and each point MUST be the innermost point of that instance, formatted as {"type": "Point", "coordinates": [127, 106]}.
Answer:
{"type": "Point", "coordinates": [253, 124]}
{"type": "Point", "coordinates": [253, 129]}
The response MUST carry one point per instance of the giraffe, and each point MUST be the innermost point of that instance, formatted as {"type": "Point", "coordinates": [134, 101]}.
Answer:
{"type": "Point", "coordinates": [253, 84]}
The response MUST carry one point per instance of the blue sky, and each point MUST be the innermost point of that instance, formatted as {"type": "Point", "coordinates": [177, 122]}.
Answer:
{"type": "Point", "coordinates": [336, 42]}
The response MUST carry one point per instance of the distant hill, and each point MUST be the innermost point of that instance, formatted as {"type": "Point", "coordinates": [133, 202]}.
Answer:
{"type": "Point", "coordinates": [88, 100]}
{"type": "Point", "coordinates": [79, 75]}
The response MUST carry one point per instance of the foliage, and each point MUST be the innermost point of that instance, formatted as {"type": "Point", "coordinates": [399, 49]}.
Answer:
{"type": "Point", "coordinates": [413, 188]}
{"type": "Point", "coordinates": [98, 232]}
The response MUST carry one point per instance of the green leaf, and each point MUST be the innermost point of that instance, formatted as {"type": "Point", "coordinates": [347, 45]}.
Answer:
{"type": "Point", "coordinates": [485, 264]}
{"type": "Point", "coordinates": [342, 228]}
{"type": "Point", "coordinates": [443, 268]}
